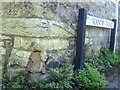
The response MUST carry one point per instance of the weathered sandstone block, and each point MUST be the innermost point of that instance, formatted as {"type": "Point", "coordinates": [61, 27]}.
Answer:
{"type": "Point", "coordinates": [35, 64]}
{"type": "Point", "coordinates": [19, 58]}
{"type": "Point", "coordinates": [40, 44]}
{"type": "Point", "coordinates": [35, 28]}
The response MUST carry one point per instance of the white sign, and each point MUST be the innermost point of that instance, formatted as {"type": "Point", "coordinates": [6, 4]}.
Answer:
{"type": "Point", "coordinates": [98, 22]}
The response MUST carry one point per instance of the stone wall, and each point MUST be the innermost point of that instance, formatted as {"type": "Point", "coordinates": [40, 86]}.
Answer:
{"type": "Point", "coordinates": [118, 31]}
{"type": "Point", "coordinates": [38, 36]}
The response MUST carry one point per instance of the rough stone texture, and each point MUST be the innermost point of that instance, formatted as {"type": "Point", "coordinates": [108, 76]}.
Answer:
{"type": "Point", "coordinates": [68, 12]}
{"type": "Point", "coordinates": [118, 32]}
{"type": "Point", "coordinates": [2, 53]}
{"type": "Point", "coordinates": [35, 28]}
{"type": "Point", "coordinates": [97, 37]}
{"type": "Point", "coordinates": [43, 56]}
{"type": "Point", "coordinates": [55, 11]}
{"type": "Point", "coordinates": [0, 25]}
{"type": "Point", "coordinates": [1, 44]}
{"type": "Point", "coordinates": [19, 57]}
{"type": "Point", "coordinates": [0, 5]}
{"type": "Point", "coordinates": [40, 44]}
{"type": "Point", "coordinates": [28, 10]}
{"type": "Point", "coordinates": [35, 64]}
{"type": "Point", "coordinates": [2, 50]}
{"type": "Point", "coordinates": [97, 32]}
{"type": "Point", "coordinates": [5, 37]}
{"type": "Point", "coordinates": [1, 12]}
{"type": "Point", "coordinates": [60, 55]}
{"type": "Point", "coordinates": [37, 35]}
{"type": "Point", "coordinates": [53, 64]}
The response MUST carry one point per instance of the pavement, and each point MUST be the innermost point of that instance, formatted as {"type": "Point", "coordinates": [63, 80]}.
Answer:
{"type": "Point", "coordinates": [114, 80]}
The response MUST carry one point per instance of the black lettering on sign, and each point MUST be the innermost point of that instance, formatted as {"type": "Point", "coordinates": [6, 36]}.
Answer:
{"type": "Point", "coordinates": [93, 21]}
{"type": "Point", "coordinates": [97, 22]}
{"type": "Point", "coordinates": [102, 22]}
{"type": "Point", "coordinates": [108, 24]}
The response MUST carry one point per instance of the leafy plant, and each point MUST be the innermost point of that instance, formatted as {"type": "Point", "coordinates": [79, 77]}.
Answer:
{"type": "Point", "coordinates": [65, 77]}
{"type": "Point", "coordinates": [103, 59]}
{"type": "Point", "coordinates": [17, 85]}
{"type": "Point", "coordinates": [19, 81]}
{"type": "Point", "coordinates": [89, 78]}
{"type": "Point", "coordinates": [109, 57]}
{"type": "Point", "coordinates": [61, 78]}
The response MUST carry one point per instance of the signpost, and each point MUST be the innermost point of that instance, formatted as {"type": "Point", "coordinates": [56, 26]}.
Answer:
{"type": "Point", "coordinates": [83, 20]}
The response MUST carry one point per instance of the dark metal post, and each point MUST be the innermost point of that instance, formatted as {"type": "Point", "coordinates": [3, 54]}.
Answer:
{"type": "Point", "coordinates": [112, 37]}
{"type": "Point", "coordinates": [80, 38]}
